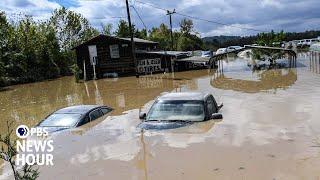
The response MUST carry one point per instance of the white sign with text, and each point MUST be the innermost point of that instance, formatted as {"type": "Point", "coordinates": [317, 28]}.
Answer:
{"type": "Point", "coordinates": [149, 65]}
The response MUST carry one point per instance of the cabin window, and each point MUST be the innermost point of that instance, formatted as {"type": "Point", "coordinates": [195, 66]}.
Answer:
{"type": "Point", "coordinates": [124, 51]}
{"type": "Point", "coordinates": [114, 51]}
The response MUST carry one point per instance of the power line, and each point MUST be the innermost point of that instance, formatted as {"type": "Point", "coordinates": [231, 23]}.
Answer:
{"type": "Point", "coordinates": [197, 18]}
{"type": "Point", "coordinates": [139, 16]}
{"type": "Point", "coordinates": [215, 22]}
{"type": "Point", "coordinates": [151, 5]}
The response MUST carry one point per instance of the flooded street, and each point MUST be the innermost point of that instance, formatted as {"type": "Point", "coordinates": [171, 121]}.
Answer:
{"type": "Point", "coordinates": [270, 129]}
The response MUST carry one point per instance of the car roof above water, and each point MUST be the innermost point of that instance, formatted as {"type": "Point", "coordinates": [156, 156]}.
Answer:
{"type": "Point", "coordinates": [184, 96]}
{"type": "Point", "coordinates": [80, 109]}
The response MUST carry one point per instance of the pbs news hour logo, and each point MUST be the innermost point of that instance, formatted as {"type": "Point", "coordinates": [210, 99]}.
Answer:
{"type": "Point", "coordinates": [35, 150]}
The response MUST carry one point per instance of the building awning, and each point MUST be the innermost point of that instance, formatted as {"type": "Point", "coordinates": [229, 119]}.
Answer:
{"type": "Point", "coordinates": [194, 59]}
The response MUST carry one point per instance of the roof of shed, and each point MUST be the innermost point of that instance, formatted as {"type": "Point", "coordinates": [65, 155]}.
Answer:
{"type": "Point", "coordinates": [127, 40]}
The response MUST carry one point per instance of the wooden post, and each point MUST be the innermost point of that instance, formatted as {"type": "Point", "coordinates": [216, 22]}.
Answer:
{"type": "Point", "coordinates": [133, 49]}
{"type": "Point", "coordinates": [94, 68]}
{"type": "Point", "coordinates": [84, 70]}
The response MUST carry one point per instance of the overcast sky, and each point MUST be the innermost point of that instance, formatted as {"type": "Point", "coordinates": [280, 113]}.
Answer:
{"type": "Point", "coordinates": [289, 15]}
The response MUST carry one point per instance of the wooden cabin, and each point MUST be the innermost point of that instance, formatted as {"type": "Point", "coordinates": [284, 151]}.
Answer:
{"type": "Point", "coordinates": [109, 55]}
{"type": "Point", "coordinates": [112, 56]}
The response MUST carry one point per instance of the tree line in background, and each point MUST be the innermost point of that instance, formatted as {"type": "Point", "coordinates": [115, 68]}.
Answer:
{"type": "Point", "coordinates": [184, 39]}
{"type": "Point", "coordinates": [37, 50]}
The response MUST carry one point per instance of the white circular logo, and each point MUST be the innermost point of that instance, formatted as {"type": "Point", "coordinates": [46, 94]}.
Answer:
{"type": "Point", "coordinates": [22, 131]}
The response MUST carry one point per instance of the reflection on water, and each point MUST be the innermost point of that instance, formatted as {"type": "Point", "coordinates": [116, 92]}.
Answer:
{"type": "Point", "coordinates": [279, 129]}
{"type": "Point", "coordinates": [254, 79]}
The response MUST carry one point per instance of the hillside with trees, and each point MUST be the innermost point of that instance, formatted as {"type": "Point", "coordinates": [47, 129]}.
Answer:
{"type": "Point", "coordinates": [215, 42]}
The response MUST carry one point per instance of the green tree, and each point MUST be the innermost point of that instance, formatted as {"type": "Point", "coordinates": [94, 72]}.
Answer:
{"type": "Point", "coordinates": [4, 45]}
{"type": "Point", "coordinates": [186, 26]}
{"type": "Point", "coordinates": [142, 34]}
{"type": "Point", "coordinates": [71, 28]}
{"type": "Point", "coordinates": [107, 29]}
{"type": "Point", "coordinates": [161, 35]}
{"type": "Point", "coordinates": [123, 29]}
{"type": "Point", "coordinates": [189, 39]}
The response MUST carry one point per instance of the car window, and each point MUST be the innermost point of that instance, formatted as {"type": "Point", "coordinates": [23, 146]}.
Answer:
{"type": "Point", "coordinates": [61, 120]}
{"type": "Point", "coordinates": [95, 114]}
{"type": "Point", "coordinates": [177, 110]}
{"type": "Point", "coordinates": [84, 121]}
{"type": "Point", "coordinates": [105, 110]}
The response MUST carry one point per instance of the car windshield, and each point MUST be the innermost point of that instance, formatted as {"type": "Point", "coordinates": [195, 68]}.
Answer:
{"type": "Point", "coordinates": [61, 120]}
{"type": "Point", "coordinates": [177, 110]}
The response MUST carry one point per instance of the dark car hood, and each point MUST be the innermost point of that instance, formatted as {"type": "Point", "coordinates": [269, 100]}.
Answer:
{"type": "Point", "coordinates": [163, 125]}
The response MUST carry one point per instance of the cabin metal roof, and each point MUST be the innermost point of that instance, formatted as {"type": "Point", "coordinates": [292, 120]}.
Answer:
{"type": "Point", "coordinates": [138, 40]}
{"type": "Point", "coordinates": [125, 40]}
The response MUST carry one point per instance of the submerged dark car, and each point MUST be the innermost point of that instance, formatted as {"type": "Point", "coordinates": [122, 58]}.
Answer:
{"type": "Point", "coordinates": [174, 110]}
{"type": "Point", "coordinates": [73, 116]}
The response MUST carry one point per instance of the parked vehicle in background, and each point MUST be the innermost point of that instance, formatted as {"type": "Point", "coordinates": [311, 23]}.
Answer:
{"type": "Point", "coordinates": [221, 50]}
{"type": "Point", "coordinates": [207, 54]}
{"type": "Point", "coordinates": [174, 110]}
{"type": "Point", "coordinates": [73, 116]}
{"type": "Point", "coordinates": [233, 48]}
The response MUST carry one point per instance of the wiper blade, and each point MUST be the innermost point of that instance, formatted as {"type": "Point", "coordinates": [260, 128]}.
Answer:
{"type": "Point", "coordinates": [180, 120]}
{"type": "Point", "coordinates": [152, 120]}
{"type": "Point", "coordinates": [156, 120]}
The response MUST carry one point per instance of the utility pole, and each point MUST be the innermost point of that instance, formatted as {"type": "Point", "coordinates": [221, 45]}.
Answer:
{"type": "Point", "coordinates": [132, 41]}
{"type": "Point", "coordinates": [170, 13]}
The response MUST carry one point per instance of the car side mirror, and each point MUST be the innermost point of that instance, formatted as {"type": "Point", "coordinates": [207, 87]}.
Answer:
{"type": "Point", "coordinates": [142, 116]}
{"type": "Point", "coordinates": [216, 116]}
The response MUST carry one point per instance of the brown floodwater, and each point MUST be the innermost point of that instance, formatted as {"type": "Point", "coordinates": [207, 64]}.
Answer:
{"type": "Point", "coordinates": [270, 129]}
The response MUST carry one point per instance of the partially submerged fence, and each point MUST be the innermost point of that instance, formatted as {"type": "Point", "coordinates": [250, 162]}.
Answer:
{"type": "Point", "coordinates": [315, 61]}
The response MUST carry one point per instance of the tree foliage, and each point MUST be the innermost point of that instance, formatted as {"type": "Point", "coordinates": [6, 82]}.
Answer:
{"type": "Point", "coordinates": [106, 29]}
{"type": "Point", "coordinates": [32, 51]}
{"type": "Point", "coordinates": [268, 39]}
{"type": "Point", "coordinates": [185, 39]}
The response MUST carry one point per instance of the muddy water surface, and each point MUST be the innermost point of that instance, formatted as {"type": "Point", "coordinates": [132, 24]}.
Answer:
{"type": "Point", "coordinates": [270, 130]}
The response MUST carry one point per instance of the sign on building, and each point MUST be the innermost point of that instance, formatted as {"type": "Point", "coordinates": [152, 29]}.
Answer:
{"type": "Point", "coordinates": [93, 53]}
{"type": "Point", "coordinates": [149, 65]}
{"type": "Point", "coordinates": [114, 51]}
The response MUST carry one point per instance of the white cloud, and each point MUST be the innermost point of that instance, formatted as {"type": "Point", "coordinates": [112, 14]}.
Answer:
{"type": "Point", "coordinates": [272, 3]}
{"type": "Point", "coordinates": [233, 29]}
{"type": "Point", "coordinates": [40, 9]}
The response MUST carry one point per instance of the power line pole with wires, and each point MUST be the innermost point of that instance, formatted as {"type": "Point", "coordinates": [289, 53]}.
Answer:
{"type": "Point", "coordinates": [132, 40]}
{"type": "Point", "coordinates": [169, 13]}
